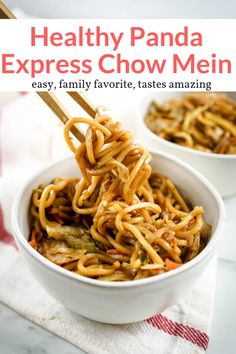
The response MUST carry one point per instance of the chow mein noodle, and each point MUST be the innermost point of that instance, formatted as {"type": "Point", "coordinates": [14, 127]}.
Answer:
{"type": "Point", "coordinates": [119, 221]}
{"type": "Point", "coordinates": [205, 122]}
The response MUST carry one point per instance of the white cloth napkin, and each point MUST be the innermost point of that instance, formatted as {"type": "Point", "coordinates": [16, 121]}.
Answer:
{"type": "Point", "coordinates": [30, 136]}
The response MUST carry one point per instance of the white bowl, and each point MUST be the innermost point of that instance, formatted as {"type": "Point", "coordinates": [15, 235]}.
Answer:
{"type": "Point", "coordinates": [219, 169]}
{"type": "Point", "coordinates": [121, 302]}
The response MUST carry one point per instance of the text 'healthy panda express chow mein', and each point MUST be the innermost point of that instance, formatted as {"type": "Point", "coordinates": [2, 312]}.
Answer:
{"type": "Point", "coordinates": [205, 122]}
{"type": "Point", "coordinates": [119, 221]}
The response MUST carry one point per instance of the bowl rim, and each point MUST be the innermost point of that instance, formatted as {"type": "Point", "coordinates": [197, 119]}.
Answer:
{"type": "Point", "coordinates": [19, 237]}
{"type": "Point", "coordinates": [186, 148]}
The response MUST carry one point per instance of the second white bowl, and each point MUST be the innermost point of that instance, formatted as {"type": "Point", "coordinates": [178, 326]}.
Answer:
{"type": "Point", "coordinates": [219, 169]}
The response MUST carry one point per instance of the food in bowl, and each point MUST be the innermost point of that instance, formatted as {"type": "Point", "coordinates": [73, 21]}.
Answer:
{"type": "Point", "coordinates": [120, 221]}
{"type": "Point", "coordinates": [202, 121]}
{"type": "Point", "coordinates": [127, 301]}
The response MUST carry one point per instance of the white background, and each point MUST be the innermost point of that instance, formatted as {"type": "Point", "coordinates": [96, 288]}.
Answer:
{"type": "Point", "coordinates": [218, 38]}
{"type": "Point", "coordinates": [126, 8]}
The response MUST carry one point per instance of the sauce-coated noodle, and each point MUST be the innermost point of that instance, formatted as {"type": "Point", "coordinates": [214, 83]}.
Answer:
{"type": "Point", "coordinates": [205, 122]}
{"type": "Point", "coordinates": [119, 221]}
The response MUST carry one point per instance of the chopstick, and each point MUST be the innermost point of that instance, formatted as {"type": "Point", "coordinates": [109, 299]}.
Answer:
{"type": "Point", "coordinates": [5, 12]}
{"type": "Point", "coordinates": [50, 99]}
{"type": "Point", "coordinates": [55, 105]}
{"type": "Point", "coordinates": [80, 98]}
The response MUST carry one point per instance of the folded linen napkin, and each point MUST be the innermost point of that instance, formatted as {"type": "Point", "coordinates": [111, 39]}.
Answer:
{"type": "Point", "coordinates": [30, 137]}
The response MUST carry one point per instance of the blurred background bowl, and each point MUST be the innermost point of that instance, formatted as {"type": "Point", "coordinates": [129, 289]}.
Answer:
{"type": "Point", "coordinates": [121, 302]}
{"type": "Point", "coordinates": [219, 169]}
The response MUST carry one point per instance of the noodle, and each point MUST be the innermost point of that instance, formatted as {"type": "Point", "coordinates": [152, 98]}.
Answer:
{"type": "Point", "coordinates": [205, 122]}
{"type": "Point", "coordinates": [119, 221]}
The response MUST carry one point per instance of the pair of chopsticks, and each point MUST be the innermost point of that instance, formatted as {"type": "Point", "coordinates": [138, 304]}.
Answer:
{"type": "Point", "coordinates": [55, 105]}
{"type": "Point", "coordinates": [50, 99]}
